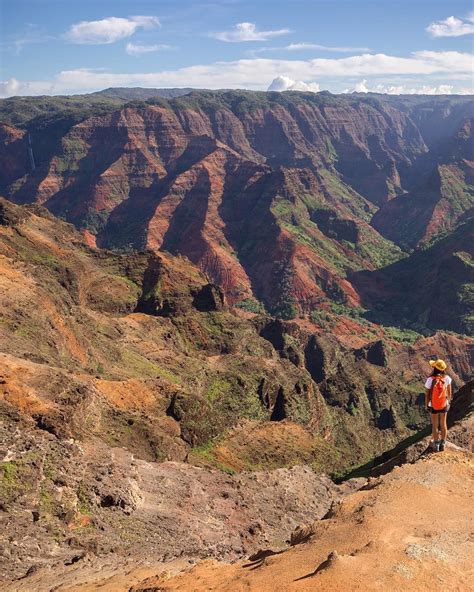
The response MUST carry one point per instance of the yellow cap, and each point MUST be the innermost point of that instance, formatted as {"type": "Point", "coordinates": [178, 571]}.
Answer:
{"type": "Point", "coordinates": [438, 364]}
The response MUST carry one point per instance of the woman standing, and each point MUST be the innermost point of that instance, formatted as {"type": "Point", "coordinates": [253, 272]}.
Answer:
{"type": "Point", "coordinates": [438, 396]}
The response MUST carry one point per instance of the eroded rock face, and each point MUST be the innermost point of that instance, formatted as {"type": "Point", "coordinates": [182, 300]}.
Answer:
{"type": "Point", "coordinates": [406, 289]}
{"type": "Point", "coordinates": [363, 541]}
{"type": "Point", "coordinates": [13, 154]}
{"type": "Point", "coordinates": [62, 499]}
{"type": "Point", "coordinates": [273, 197]}
{"type": "Point", "coordinates": [10, 215]}
{"type": "Point", "coordinates": [209, 298]}
{"type": "Point", "coordinates": [375, 353]}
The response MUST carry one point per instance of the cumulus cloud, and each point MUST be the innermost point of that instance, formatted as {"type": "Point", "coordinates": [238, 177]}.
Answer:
{"type": "Point", "coordinates": [247, 32]}
{"type": "Point", "coordinates": [282, 83]}
{"type": "Point", "coordinates": [259, 73]}
{"type": "Point", "coordinates": [452, 27]}
{"type": "Point", "coordinates": [137, 49]}
{"type": "Point", "coordinates": [108, 30]}
{"type": "Point", "coordinates": [14, 87]}
{"type": "Point", "coordinates": [9, 88]}
{"type": "Point", "coordinates": [401, 89]}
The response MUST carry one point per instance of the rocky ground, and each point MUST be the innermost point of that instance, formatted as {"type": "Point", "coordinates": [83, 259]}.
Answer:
{"type": "Point", "coordinates": [63, 501]}
{"type": "Point", "coordinates": [409, 530]}
{"type": "Point", "coordinates": [360, 542]}
{"type": "Point", "coordinates": [150, 526]}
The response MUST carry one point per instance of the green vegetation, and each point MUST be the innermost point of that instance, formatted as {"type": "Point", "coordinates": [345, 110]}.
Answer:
{"type": "Point", "coordinates": [346, 195]}
{"type": "Point", "coordinates": [16, 478]}
{"type": "Point", "coordinates": [9, 472]}
{"type": "Point", "coordinates": [380, 252]}
{"type": "Point", "coordinates": [322, 318]}
{"type": "Point", "coordinates": [134, 364]}
{"type": "Point", "coordinates": [46, 502]}
{"type": "Point", "coordinates": [465, 297]}
{"type": "Point", "coordinates": [286, 306]}
{"type": "Point", "coordinates": [83, 502]}
{"type": "Point", "coordinates": [405, 336]}
{"type": "Point", "coordinates": [331, 151]}
{"type": "Point", "coordinates": [365, 469]}
{"type": "Point", "coordinates": [354, 312]}
{"type": "Point", "coordinates": [456, 190]}
{"type": "Point", "coordinates": [205, 453]}
{"type": "Point", "coordinates": [251, 305]}
{"type": "Point", "coordinates": [465, 258]}
{"type": "Point", "coordinates": [325, 457]}
{"type": "Point", "coordinates": [73, 151]}
{"type": "Point", "coordinates": [94, 220]}
{"type": "Point", "coordinates": [33, 111]}
{"type": "Point", "coordinates": [218, 388]}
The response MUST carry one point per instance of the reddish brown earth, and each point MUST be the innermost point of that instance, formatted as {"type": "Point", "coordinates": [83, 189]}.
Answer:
{"type": "Point", "coordinates": [134, 360]}
{"type": "Point", "coordinates": [272, 195]}
{"type": "Point", "coordinates": [363, 544]}
{"type": "Point", "coordinates": [156, 425]}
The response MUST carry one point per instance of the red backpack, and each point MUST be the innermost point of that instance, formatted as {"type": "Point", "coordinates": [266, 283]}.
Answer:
{"type": "Point", "coordinates": [439, 395]}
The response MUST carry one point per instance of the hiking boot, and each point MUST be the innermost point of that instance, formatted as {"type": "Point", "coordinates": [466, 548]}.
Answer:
{"type": "Point", "coordinates": [434, 445]}
{"type": "Point", "coordinates": [441, 445]}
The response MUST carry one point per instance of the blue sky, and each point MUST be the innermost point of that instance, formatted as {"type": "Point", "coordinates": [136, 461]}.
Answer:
{"type": "Point", "coordinates": [70, 46]}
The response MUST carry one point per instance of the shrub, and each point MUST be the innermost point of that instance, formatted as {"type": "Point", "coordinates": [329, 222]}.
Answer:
{"type": "Point", "coordinates": [251, 305]}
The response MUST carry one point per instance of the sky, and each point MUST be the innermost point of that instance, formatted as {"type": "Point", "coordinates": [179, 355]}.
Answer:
{"type": "Point", "coordinates": [393, 46]}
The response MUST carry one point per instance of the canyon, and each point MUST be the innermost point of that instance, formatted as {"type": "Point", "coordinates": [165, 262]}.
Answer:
{"type": "Point", "coordinates": [217, 309]}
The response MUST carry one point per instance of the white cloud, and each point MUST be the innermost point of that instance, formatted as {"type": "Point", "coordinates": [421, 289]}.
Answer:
{"type": "Point", "coordinates": [281, 83]}
{"type": "Point", "coordinates": [9, 88]}
{"type": "Point", "coordinates": [360, 87]}
{"type": "Point", "coordinates": [247, 32]}
{"type": "Point", "coordinates": [14, 87]}
{"type": "Point", "coordinates": [137, 50]}
{"type": "Point", "coordinates": [401, 89]}
{"type": "Point", "coordinates": [108, 30]}
{"type": "Point", "coordinates": [304, 46]}
{"type": "Point", "coordinates": [452, 27]}
{"type": "Point", "coordinates": [259, 73]}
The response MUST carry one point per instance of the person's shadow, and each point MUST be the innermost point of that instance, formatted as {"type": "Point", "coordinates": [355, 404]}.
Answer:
{"type": "Point", "coordinates": [332, 557]}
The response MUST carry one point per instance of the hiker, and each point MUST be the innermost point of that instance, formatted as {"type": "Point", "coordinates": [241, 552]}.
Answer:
{"type": "Point", "coordinates": [438, 396]}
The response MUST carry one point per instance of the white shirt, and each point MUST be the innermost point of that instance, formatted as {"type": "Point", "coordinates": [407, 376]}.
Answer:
{"type": "Point", "coordinates": [429, 382]}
